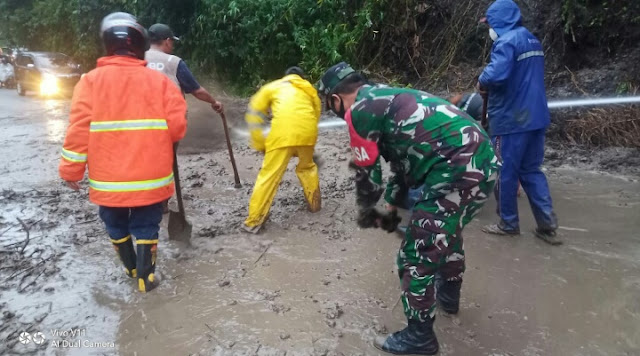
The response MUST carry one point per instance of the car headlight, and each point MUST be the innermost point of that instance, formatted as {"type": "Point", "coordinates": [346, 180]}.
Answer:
{"type": "Point", "coordinates": [49, 85]}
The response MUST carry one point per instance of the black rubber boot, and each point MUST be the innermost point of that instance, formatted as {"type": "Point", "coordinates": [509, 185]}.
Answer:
{"type": "Point", "coordinates": [147, 265]}
{"type": "Point", "coordinates": [448, 294]}
{"type": "Point", "coordinates": [124, 249]}
{"type": "Point", "coordinates": [418, 338]}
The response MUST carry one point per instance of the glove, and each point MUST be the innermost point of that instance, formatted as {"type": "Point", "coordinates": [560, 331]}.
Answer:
{"type": "Point", "coordinates": [369, 218]}
{"type": "Point", "coordinates": [389, 222]}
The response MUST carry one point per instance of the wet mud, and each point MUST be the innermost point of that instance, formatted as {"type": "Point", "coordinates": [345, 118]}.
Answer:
{"type": "Point", "coordinates": [311, 283]}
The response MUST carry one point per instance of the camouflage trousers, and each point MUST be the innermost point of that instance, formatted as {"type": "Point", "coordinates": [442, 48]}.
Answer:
{"type": "Point", "coordinates": [433, 244]}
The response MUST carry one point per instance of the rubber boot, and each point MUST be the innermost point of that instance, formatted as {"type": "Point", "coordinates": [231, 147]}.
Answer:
{"type": "Point", "coordinates": [147, 265]}
{"type": "Point", "coordinates": [124, 249]}
{"type": "Point", "coordinates": [418, 338]}
{"type": "Point", "coordinates": [448, 294]}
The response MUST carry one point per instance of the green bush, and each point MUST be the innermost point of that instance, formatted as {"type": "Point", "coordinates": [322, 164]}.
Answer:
{"type": "Point", "coordinates": [600, 23]}
{"type": "Point", "coordinates": [247, 42]}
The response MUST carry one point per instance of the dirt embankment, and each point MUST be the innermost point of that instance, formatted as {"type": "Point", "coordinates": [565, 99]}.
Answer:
{"type": "Point", "coordinates": [591, 50]}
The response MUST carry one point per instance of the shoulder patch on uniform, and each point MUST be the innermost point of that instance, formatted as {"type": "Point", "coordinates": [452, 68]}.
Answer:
{"type": "Point", "coordinates": [365, 152]}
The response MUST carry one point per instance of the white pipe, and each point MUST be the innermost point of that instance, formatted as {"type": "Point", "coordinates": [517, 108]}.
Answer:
{"type": "Point", "coordinates": [556, 104]}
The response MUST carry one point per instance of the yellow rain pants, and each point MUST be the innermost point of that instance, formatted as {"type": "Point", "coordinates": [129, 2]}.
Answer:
{"type": "Point", "coordinates": [273, 168]}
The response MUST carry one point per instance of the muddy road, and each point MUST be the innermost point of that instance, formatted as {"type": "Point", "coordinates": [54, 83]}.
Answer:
{"type": "Point", "coordinates": [311, 284]}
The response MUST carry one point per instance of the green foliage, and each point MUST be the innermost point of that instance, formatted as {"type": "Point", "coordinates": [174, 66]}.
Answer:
{"type": "Point", "coordinates": [626, 87]}
{"type": "Point", "coordinates": [247, 42]}
{"type": "Point", "coordinates": [601, 23]}
{"type": "Point", "coordinates": [72, 26]}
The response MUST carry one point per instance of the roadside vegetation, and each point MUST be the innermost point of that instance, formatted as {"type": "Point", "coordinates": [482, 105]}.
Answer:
{"type": "Point", "coordinates": [436, 45]}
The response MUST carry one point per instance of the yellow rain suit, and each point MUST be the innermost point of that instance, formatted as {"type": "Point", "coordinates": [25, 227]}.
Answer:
{"type": "Point", "coordinates": [295, 108]}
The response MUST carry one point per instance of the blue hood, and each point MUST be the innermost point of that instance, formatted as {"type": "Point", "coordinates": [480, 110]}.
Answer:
{"type": "Point", "coordinates": [504, 16]}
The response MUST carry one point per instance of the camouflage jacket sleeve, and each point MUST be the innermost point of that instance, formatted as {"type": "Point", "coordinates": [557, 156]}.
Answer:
{"type": "Point", "coordinates": [403, 116]}
{"type": "Point", "coordinates": [369, 186]}
{"type": "Point", "coordinates": [397, 188]}
{"type": "Point", "coordinates": [365, 121]}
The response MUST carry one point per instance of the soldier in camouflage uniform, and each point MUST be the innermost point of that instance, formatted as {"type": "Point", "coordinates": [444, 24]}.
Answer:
{"type": "Point", "coordinates": [427, 141]}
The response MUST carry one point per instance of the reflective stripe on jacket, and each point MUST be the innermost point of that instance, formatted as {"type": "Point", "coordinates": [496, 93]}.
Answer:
{"type": "Point", "coordinates": [515, 75]}
{"type": "Point", "coordinates": [295, 106]}
{"type": "Point", "coordinates": [124, 120]}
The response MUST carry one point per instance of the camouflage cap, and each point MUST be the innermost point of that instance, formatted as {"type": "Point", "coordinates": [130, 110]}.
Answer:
{"type": "Point", "coordinates": [332, 77]}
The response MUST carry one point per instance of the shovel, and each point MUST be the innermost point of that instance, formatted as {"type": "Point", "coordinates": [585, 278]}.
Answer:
{"type": "Point", "coordinates": [236, 177]}
{"type": "Point", "coordinates": [179, 227]}
{"type": "Point", "coordinates": [485, 104]}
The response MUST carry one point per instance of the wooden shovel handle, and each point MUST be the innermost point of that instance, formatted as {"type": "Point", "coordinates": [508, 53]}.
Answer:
{"type": "Point", "coordinates": [236, 177]}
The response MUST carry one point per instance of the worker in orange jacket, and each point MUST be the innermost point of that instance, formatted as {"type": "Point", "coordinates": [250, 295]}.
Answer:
{"type": "Point", "coordinates": [124, 121]}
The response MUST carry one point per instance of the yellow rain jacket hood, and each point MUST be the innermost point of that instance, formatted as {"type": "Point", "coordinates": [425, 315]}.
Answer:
{"type": "Point", "coordinates": [295, 108]}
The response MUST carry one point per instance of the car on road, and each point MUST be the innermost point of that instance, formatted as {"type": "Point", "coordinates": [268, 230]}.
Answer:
{"type": "Point", "coordinates": [12, 52]}
{"type": "Point", "coordinates": [47, 73]}
{"type": "Point", "coordinates": [7, 78]}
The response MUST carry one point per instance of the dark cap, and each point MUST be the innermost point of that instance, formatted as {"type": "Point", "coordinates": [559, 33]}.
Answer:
{"type": "Point", "coordinates": [333, 76]}
{"type": "Point", "coordinates": [294, 70]}
{"type": "Point", "coordinates": [160, 32]}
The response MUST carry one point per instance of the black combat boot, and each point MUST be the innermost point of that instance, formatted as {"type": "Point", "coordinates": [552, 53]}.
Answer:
{"type": "Point", "coordinates": [417, 338]}
{"type": "Point", "coordinates": [124, 249]}
{"type": "Point", "coordinates": [147, 250]}
{"type": "Point", "coordinates": [448, 294]}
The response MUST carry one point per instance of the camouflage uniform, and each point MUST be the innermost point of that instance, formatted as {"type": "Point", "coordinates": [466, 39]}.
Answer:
{"type": "Point", "coordinates": [427, 141]}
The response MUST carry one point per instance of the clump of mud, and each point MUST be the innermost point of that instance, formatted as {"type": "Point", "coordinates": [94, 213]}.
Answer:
{"type": "Point", "coordinates": [32, 252]}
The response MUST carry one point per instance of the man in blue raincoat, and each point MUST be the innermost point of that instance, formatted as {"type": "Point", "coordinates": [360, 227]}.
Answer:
{"type": "Point", "coordinates": [518, 119]}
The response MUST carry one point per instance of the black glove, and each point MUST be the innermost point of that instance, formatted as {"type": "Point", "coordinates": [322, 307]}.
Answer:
{"type": "Point", "coordinates": [389, 222]}
{"type": "Point", "coordinates": [367, 218]}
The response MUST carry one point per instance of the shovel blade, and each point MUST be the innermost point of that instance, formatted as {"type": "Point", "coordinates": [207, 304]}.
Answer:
{"type": "Point", "coordinates": [179, 227]}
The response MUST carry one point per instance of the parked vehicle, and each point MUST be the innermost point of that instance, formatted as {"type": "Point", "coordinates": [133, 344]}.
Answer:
{"type": "Point", "coordinates": [12, 52]}
{"type": "Point", "coordinates": [49, 74]}
{"type": "Point", "coordinates": [7, 78]}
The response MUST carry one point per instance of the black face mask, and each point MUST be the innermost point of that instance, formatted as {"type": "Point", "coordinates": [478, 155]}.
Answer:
{"type": "Point", "coordinates": [340, 113]}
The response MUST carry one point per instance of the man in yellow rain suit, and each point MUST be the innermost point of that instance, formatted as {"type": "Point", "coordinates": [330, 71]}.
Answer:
{"type": "Point", "coordinates": [295, 108]}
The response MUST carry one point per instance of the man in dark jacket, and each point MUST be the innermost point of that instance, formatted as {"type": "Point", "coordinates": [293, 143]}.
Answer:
{"type": "Point", "coordinates": [518, 119]}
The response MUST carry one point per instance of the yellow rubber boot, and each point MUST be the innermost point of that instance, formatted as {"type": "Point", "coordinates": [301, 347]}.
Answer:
{"type": "Point", "coordinates": [124, 249]}
{"type": "Point", "coordinates": [307, 173]}
{"type": "Point", "coordinates": [146, 264]}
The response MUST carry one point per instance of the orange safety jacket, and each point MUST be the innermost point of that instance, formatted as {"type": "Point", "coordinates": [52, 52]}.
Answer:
{"type": "Point", "coordinates": [124, 120]}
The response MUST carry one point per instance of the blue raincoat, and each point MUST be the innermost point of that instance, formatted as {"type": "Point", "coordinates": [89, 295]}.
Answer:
{"type": "Point", "coordinates": [515, 75]}
{"type": "Point", "coordinates": [518, 117]}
